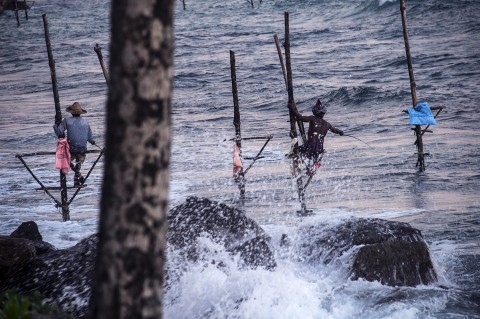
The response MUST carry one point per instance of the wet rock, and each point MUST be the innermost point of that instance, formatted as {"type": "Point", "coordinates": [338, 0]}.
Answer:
{"type": "Point", "coordinates": [29, 230]}
{"type": "Point", "coordinates": [58, 315]}
{"type": "Point", "coordinates": [392, 253]}
{"type": "Point", "coordinates": [225, 225]}
{"type": "Point", "coordinates": [395, 263]}
{"type": "Point", "coordinates": [15, 252]}
{"type": "Point", "coordinates": [63, 277]}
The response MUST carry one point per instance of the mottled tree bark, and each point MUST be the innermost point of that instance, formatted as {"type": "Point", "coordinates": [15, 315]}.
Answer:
{"type": "Point", "coordinates": [132, 230]}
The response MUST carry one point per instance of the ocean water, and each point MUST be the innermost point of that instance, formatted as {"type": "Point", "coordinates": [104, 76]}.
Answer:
{"type": "Point", "coordinates": [348, 53]}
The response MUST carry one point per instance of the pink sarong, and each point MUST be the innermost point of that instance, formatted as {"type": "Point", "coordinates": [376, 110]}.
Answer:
{"type": "Point", "coordinates": [237, 161]}
{"type": "Point", "coordinates": [62, 156]}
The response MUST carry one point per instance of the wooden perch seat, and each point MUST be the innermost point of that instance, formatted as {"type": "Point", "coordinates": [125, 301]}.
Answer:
{"type": "Point", "coordinates": [59, 188]}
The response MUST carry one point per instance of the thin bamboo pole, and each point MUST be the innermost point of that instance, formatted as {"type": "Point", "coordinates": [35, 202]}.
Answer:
{"type": "Point", "coordinates": [280, 57]}
{"type": "Point", "coordinates": [38, 181]}
{"type": "Point", "coordinates": [413, 89]}
{"type": "Point", "coordinates": [58, 118]}
{"type": "Point", "coordinates": [86, 176]}
{"type": "Point", "coordinates": [258, 154]}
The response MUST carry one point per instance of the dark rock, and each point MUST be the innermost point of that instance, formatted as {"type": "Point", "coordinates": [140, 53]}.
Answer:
{"type": "Point", "coordinates": [392, 253]}
{"type": "Point", "coordinates": [55, 315]}
{"type": "Point", "coordinates": [62, 277]}
{"type": "Point", "coordinates": [225, 225]}
{"type": "Point", "coordinates": [15, 251]}
{"type": "Point", "coordinates": [395, 263]}
{"type": "Point", "coordinates": [29, 230]}
{"type": "Point", "coordinates": [256, 252]}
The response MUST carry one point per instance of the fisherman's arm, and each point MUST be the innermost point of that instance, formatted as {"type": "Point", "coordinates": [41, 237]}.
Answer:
{"type": "Point", "coordinates": [298, 116]}
{"type": "Point", "coordinates": [336, 130]}
{"type": "Point", "coordinates": [90, 136]}
{"type": "Point", "coordinates": [59, 129]}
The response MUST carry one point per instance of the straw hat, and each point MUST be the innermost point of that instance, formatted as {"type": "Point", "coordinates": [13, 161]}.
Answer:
{"type": "Point", "coordinates": [75, 109]}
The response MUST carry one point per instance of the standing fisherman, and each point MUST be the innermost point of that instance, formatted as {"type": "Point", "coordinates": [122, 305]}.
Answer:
{"type": "Point", "coordinates": [317, 130]}
{"type": "Point", "coordinates": [78, 133]}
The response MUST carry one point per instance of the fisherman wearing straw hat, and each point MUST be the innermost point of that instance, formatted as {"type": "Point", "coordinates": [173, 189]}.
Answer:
{"type": "Point", "coordinates": [317, 130]}
{"type": "Point", "coordinates": [78, 133]}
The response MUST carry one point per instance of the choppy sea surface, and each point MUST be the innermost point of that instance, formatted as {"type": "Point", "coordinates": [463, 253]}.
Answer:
{"type": "Point", "coordinates": [348, 53]}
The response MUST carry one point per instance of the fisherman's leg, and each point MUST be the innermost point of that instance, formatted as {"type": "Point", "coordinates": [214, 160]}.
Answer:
{"type": "Point", "coordinates": [80, 158]}
{"type": "Point", "coordinates": [75, 169]}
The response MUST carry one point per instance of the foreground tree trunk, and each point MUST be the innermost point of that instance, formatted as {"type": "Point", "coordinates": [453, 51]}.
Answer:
{"type": "Point", "coordinates": [129, 268]}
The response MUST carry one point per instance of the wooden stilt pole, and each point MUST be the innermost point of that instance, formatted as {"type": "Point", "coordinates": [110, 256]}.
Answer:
{"type": "Point", "coordinates": [293, 131]}
{"type": "Point", "coordinates": [25, 8]}
{"type": "Point", "coordinates": [413, 89]}
{"type": "Point", "coordinates": [184, 5]}
{"type": "Point", "coordinates": [16, 13]}
{"type": "Point", "coordinates": [291, 100]}
{"type": "Point", "coordinates": [98, 51]}
{"type": "Point", "coordinates": [58, 117]}
{"type": "Point", "coordinates": [236, 121]}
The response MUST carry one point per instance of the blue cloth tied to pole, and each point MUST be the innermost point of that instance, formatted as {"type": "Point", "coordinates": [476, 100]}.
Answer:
{"type": "Point", "coordinates": [421, 115]}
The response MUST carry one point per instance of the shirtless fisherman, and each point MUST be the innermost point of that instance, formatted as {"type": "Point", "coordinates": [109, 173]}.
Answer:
{"type": "Point", "coordinates": [317, 130]}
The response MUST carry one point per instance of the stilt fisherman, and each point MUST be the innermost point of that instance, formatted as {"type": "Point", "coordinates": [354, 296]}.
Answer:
{"type": "Point", "coordinates": [78, 134]}
{"type": "Point", "coordinates": [317, 130]}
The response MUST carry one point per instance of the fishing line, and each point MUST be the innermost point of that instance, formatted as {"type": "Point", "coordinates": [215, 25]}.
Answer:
{"type": "Point", "coordinates": [358, 139]}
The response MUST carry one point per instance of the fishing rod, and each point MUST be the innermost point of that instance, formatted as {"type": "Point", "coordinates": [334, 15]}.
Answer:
{"type": "Point", "coordinates": [100, 148]}
{"type": "Point", "coordinates": [358, 140]}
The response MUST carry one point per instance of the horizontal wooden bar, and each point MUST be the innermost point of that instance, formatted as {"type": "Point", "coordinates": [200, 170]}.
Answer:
{"type": "Point", "coordinates": [58, 188]}
{"type": "Point", "coordinates": [251, 158]}
{"type": "Point", "coordinates": [268, 137]}
{"type": "Point", "coordinates": [50, 153]}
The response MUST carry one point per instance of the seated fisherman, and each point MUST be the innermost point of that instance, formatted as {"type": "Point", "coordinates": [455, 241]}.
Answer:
{"type": "Point", "coordinates": [78, 133]}
{"type": "Point", "coordinates": [317, 130]}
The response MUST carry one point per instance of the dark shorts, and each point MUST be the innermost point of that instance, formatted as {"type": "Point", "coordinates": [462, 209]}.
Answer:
{"type": "Point", "coordinates": [311, 150]}
{"type": "Point", "coordinates": [78, 157]}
